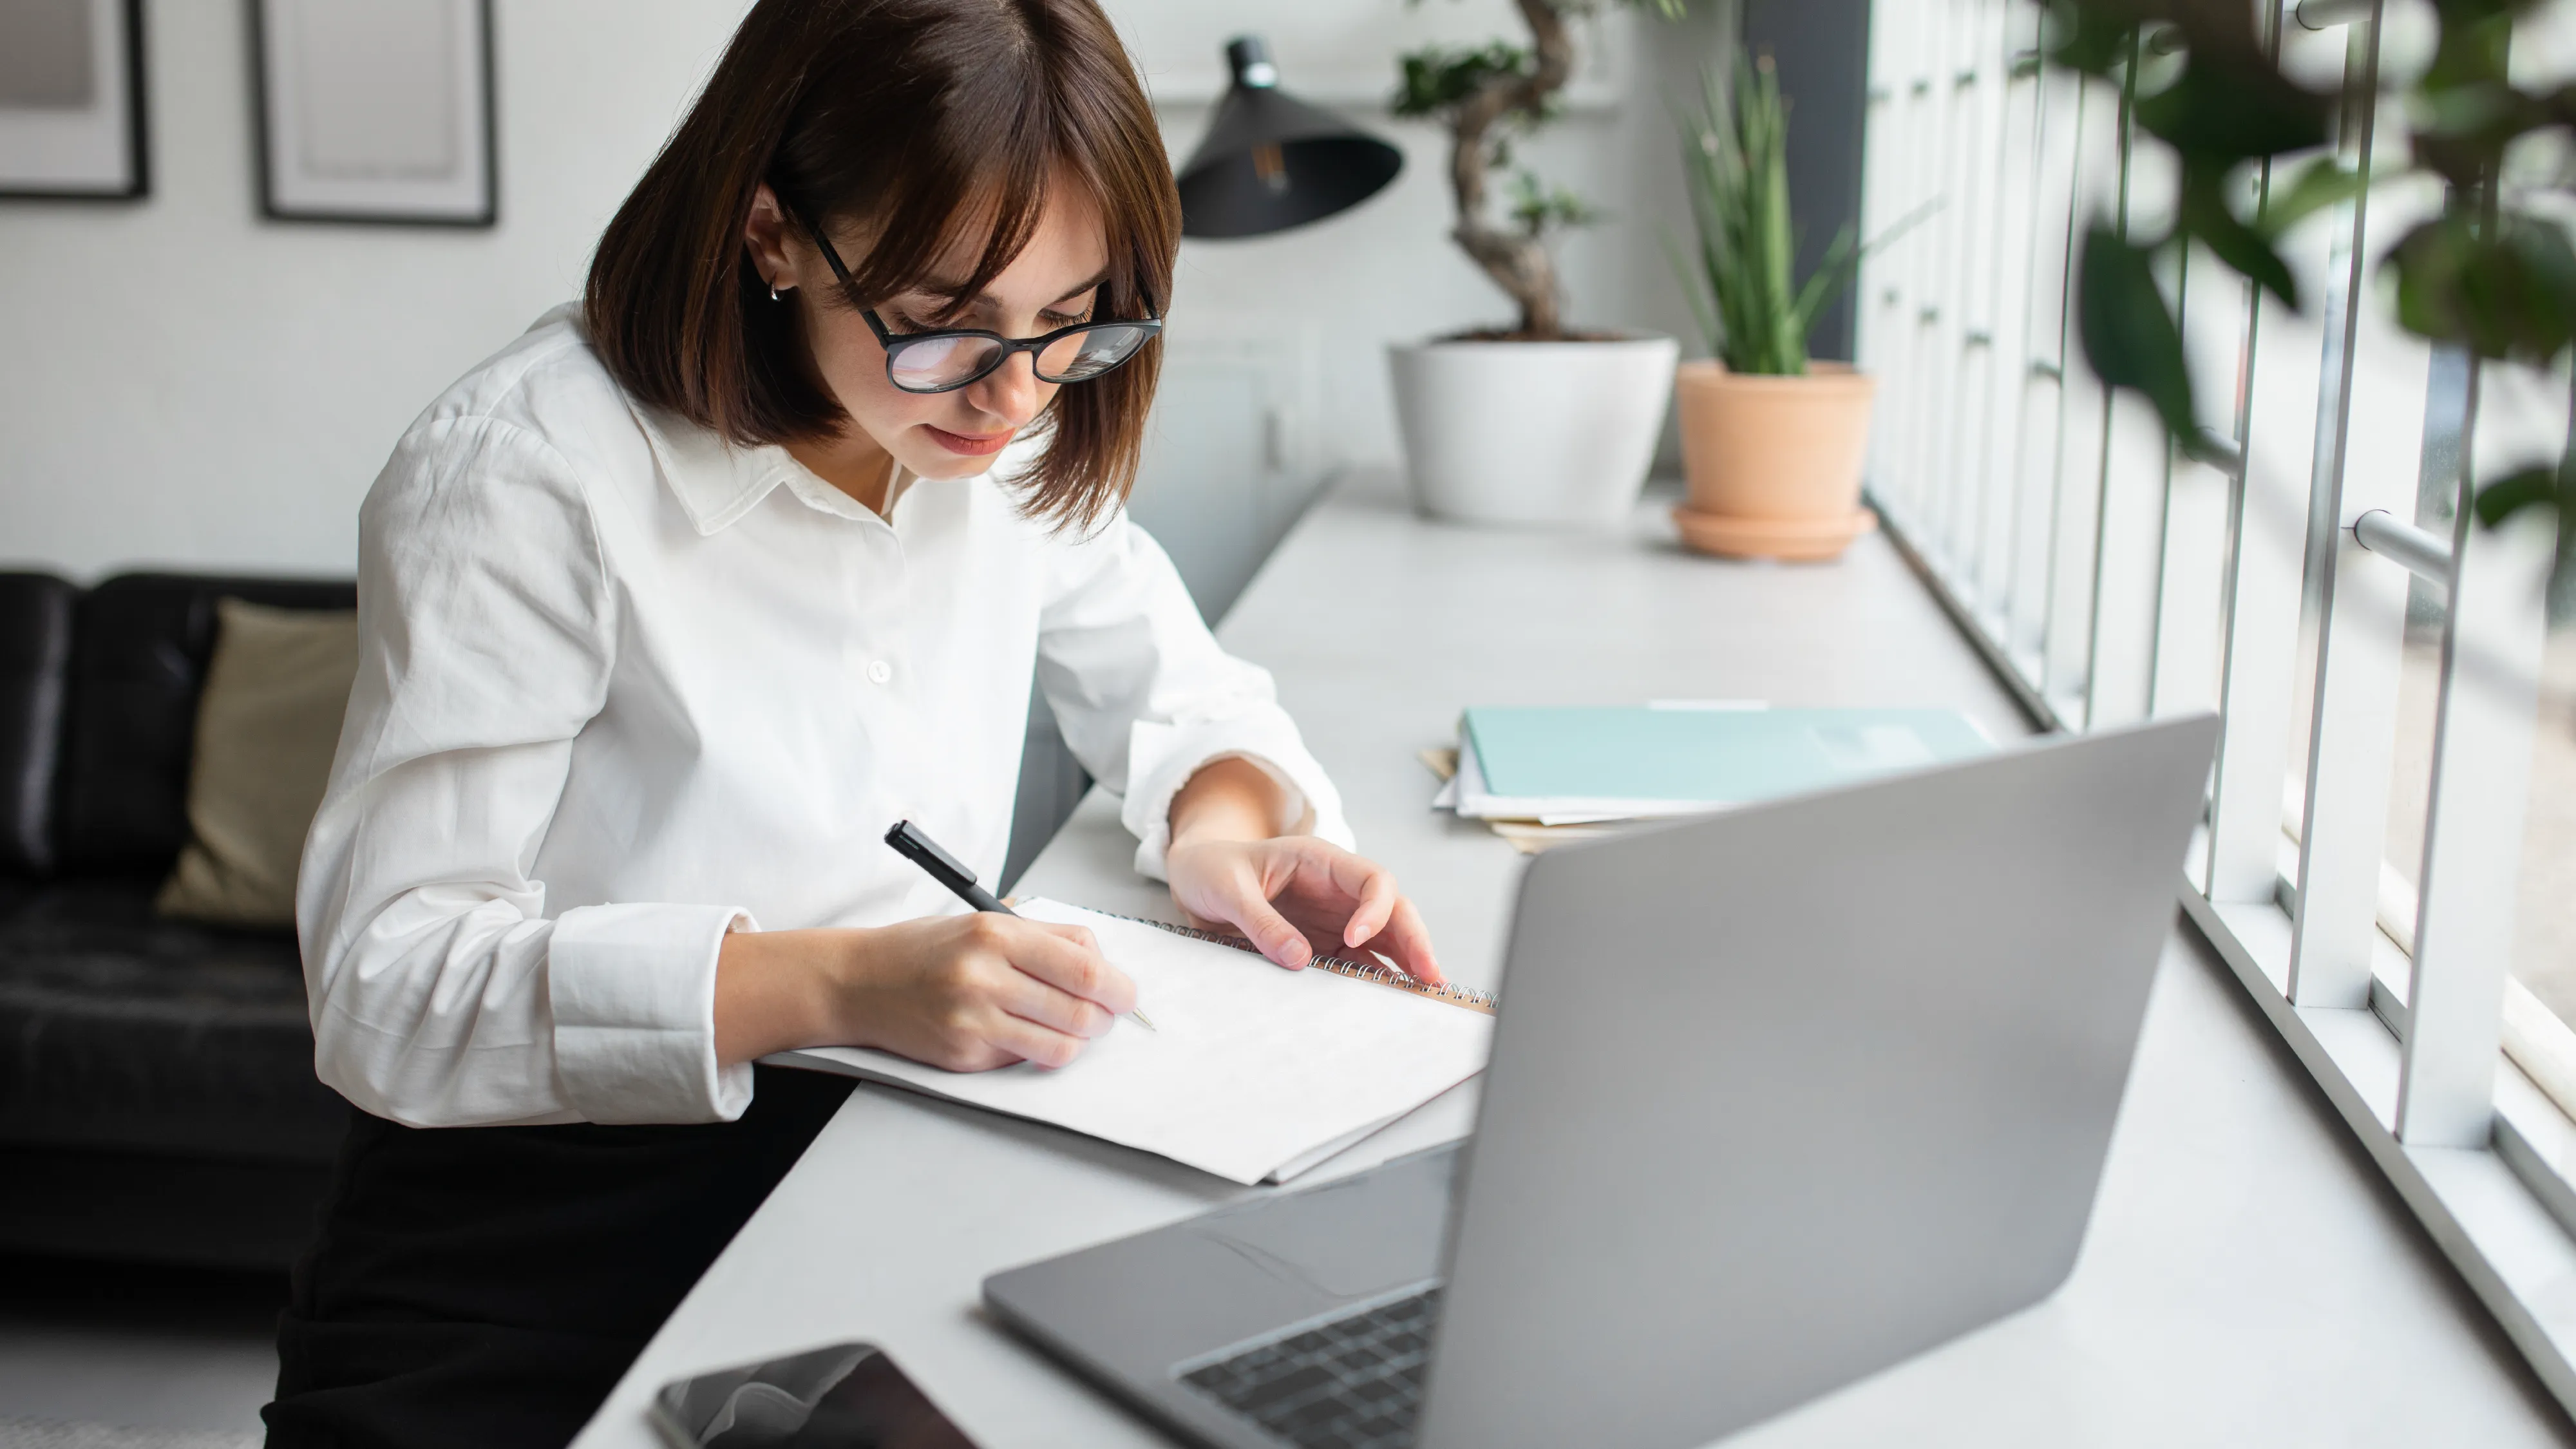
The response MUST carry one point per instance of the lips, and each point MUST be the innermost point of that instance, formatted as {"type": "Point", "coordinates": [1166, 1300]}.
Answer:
{"type": "Point", "coordinates": [972, 447]}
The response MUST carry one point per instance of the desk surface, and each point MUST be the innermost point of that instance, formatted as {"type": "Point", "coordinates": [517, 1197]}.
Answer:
{"type": "Point", "coordinates": [2248, 1277]}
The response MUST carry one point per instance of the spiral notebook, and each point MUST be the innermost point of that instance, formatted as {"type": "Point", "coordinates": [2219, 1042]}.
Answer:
{"type": "Point", "coordinates": [1252, 1072]}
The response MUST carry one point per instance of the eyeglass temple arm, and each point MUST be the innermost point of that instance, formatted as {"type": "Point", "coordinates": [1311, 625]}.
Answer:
{"type": "Point", "coordinates": [832, 258]}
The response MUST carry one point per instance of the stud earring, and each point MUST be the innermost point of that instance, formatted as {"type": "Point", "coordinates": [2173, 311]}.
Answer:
{"type": "Point", "coordinates": [773, 291]}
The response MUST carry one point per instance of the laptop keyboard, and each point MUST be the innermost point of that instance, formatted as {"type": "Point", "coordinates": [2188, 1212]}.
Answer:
{"type": "Point", "coordinates": [1353, 1383]}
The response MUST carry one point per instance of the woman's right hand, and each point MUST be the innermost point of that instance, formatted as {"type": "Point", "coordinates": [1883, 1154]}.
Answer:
{"type": "Point", "coordinates": [967, 993]}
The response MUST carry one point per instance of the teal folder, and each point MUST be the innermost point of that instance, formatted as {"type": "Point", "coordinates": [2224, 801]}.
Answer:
{"type": "Point", "coordinates": [1568, 759]}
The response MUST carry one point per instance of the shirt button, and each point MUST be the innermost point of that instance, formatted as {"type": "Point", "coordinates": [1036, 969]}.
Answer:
{"type": "Point", "coordinates": [879, 671]}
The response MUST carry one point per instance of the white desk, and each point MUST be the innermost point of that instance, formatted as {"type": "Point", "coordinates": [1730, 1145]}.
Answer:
{"type": "Point", "coordinates": [2248, 1278]}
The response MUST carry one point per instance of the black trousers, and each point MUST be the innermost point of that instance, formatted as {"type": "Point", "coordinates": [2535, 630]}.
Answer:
{"type": "Point", "coordinates": [487, 1285]}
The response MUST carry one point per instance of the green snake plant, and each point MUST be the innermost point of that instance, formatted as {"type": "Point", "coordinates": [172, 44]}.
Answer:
{"type": "Point", "coordinates": [1742, 281]}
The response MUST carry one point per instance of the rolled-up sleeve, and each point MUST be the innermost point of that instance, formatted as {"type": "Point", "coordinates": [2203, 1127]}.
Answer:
{"type": "Point", "coordinates": [1146, 697]}
{"type": "Point", "coordinates": [442, 992]}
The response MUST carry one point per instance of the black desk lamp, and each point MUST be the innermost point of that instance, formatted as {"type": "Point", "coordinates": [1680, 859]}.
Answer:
{"type": "Point", "coordinates": [1269, 162]}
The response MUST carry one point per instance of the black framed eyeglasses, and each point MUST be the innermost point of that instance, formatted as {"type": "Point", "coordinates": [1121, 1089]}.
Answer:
{"type": "Point", "coordinates": [951, 358]}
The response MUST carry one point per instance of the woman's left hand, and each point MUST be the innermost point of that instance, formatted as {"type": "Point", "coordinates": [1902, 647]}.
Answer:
{"type": "Point", "coordinates": [1296, 896]}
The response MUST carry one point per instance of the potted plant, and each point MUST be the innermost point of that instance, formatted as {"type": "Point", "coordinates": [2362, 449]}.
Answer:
{"type": "Point", "coordinates": [2492, 276]}
{"type": "Point", "coordinates": [1772, 445]}
{"type": "Point", "coordinates": [1532, 423]}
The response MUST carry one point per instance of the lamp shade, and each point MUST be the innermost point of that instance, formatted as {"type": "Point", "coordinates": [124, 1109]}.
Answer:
{"type": "Point", "coordinates": [1270, 162]}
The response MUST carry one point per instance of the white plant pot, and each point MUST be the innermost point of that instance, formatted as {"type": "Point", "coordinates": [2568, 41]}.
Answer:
{"type": "Point", "coordinates": [1532, 433]}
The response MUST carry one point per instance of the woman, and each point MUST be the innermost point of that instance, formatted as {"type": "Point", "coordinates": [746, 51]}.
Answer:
{"type": "Point", "coordinates": [670, 610]}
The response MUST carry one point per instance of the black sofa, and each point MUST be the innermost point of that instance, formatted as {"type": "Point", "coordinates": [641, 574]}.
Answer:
{"type": "Point", "coordinates": [157, 1096]}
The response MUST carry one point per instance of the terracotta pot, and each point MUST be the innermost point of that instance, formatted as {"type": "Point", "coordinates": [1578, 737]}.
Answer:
{"type": "Point", "coordinates": [1773, 463]}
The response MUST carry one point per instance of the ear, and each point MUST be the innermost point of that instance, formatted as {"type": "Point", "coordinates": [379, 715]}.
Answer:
{"type": "Point", "coordinates": [766, 232]}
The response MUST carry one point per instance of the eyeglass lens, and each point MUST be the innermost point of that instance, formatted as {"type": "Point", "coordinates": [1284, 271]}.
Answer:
{"type": "Point", "coordinates": [935, 363]}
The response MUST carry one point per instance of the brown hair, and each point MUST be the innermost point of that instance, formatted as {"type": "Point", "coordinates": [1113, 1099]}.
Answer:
{"type": "Point", "coordinates": [921, 118]}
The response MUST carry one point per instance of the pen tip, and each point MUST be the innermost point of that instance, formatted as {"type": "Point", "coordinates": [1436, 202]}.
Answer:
{"type": "Point", "coordinates": [1145, 1021]}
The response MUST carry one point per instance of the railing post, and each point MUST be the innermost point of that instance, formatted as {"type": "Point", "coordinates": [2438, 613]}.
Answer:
{"type": "Point", "coordinates": [2491, 656]}
{"type": "Point", "coordinates": [2378, 434]}
{"type": "Point", "coordinates": [2277, 436]}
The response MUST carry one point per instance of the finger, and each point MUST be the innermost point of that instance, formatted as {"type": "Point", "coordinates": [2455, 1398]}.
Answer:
{"type": "Point", "coordinates": [1326, 880]}
{"type": "Point", "coordinates": [1348, 898]}
{"type": "Point", "coordinates": [1078, 935]}
{"type": "Point", "coordinates": [1377, 905]}
{"type": "Point", "coordinates": [1407, 942]}
{"type": "Point", "coordinates": [1030, 1042]}
{"type": "Point", "coordinates": [1271, 934]}
{"type": "Point", "coordinates": [1032, 1000]}
{"type": "Point", "coordinates": [1068, 959]}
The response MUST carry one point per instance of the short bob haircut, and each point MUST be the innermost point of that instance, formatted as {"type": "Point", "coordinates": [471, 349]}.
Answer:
{"type": "Point", "coordinates": [919, 119]}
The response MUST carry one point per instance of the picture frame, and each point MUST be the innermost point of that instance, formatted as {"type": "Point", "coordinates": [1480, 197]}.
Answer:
{"type": "Point", "coordinates": [376, 111]}
{"type": "Point", "coordinates": [72, 121]}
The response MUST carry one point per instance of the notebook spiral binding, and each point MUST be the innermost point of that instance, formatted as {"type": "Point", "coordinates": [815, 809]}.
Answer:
{"type": "Point", "coordinates": [1473, 1000]}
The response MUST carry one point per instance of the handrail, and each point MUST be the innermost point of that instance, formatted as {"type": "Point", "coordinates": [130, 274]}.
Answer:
{"type": "Point", "coordinates": [2326, 14]}
{"type": "Point", "coordinates": [2427, 555]}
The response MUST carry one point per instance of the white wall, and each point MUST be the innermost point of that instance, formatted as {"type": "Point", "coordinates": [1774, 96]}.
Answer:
{"type": "Point", "coordinates": [1386, 271]}
{"type": "Point", "coordinates": [182, 383]}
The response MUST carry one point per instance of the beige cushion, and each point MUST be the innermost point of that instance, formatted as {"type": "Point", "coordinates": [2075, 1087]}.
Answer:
{"type": "Point", "coordinates": [266, 727]}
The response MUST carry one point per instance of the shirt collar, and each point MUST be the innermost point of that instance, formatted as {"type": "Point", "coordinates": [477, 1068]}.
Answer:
{"type": "Point", "coordinates": [717, 483]}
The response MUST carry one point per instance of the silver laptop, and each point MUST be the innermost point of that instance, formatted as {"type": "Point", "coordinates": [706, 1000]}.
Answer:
{"type": "Point", "coordinates": [1779, 1097]}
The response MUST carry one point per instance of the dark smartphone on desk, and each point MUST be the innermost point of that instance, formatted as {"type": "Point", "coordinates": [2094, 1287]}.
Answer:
{"type": "Point", "coordinates": [845, 1396]}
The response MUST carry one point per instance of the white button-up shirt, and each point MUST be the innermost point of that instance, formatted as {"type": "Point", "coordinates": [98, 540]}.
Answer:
{"type": "Point", "coordinates": [625, 688]}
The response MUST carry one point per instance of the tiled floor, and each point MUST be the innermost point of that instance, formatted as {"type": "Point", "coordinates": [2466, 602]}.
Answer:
{"type": "Point", "coordinates": [151, 1349]}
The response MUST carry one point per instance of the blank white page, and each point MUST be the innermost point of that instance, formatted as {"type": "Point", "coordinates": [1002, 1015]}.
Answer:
{"type": "Point", "coordinates": [1250, 1070]}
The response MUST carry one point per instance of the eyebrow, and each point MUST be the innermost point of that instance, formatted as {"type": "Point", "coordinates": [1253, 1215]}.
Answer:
{"type": "Point", "coordinates": [953, 292]}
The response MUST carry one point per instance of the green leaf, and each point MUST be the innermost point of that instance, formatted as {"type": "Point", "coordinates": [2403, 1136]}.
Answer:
{"type": "Point", "coordinates": [2204, 213]}
{"type": "Point", "coordinates": [1833, 273]}
{"type": "Point", "coordinates": [2474, 42]}
{"type": "Point", "coordinates": [1733, 156]}
{"type": "Point", "coordinates": [2527, 488]}
{"type": "Point", "coordinates": [1742, 277]}
{"type": "Point", "coordinates": [2506, 290]}
{"type": "Point", "coordinates": [2322, 183]}
{"type": "Point", "coordinates": [2234, 111]}
{"type": "Point", "coordinates": [2129, 334]}
{"type": "Point", "coordinates": [2473, 109]}
{"type": "Point", "coordinates": [1695, 290]}
{"type": "Point", "coordinates": [1537, 207]}
{"type": "Point", "coordinates": [2465, 107]}
{"type": "Point", "coordinates": [1437, 77]}
{"type": "Point", "coordinates": [2090, 35]}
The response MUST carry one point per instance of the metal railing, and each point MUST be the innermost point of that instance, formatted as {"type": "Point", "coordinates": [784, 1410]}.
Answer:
{"type": "Point", "coordinates": [2111, 579]}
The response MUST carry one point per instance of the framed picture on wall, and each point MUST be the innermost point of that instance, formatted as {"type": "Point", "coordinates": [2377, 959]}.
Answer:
{"type": "Point", "coordinates": [71, 98]}
{"type": "Point", "coordinates": [376, 111]}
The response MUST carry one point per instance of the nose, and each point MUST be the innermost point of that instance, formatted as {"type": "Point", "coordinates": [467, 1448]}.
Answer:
{"type": "Point", "coordinates": [1012, 391]}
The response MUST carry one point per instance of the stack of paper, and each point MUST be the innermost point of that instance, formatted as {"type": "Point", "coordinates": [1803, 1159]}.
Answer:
{"type": "Point", "coordinates": [1252, 1072]}
{"type": "Point", "coordinates": [1544, 773]}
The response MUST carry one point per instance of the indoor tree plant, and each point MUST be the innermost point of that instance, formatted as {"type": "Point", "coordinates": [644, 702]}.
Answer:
{"type": "Point", "coordinates": [1772, 447]}
{"type": "Point", "coordinates": [2494, 275]}
{"type": "Point", "coordinates": [1532, 423]}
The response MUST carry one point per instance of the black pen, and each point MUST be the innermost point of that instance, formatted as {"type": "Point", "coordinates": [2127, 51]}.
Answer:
{"type": "Point", "coordinates": [910, 843]}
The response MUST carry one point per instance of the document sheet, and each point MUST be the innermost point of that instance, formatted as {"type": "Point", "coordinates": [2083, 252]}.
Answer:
{"type": "Point", "coordinates": [1250, 1072]}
